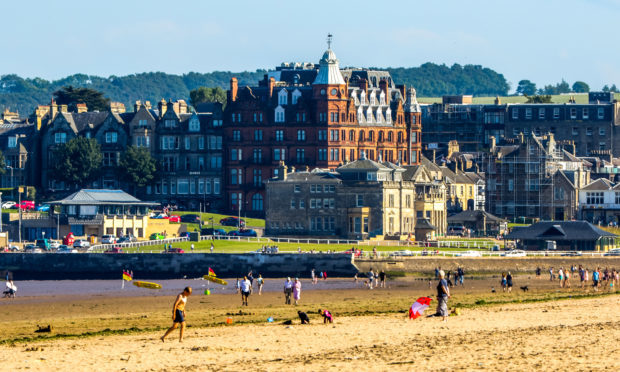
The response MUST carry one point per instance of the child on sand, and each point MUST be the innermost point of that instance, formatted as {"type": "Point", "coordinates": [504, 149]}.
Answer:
{"type": "Point", "coordinates": [178, 313]}
{"type": "Point", "coordinates": [303, 317]}
{"type": "Point", "coordinates": [327, 316]}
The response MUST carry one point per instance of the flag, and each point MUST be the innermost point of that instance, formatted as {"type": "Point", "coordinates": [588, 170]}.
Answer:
{"type": "Point", "coordinates": [418, 307]}
{"type": "Point", "coordinates": [127, 276]}
{"type": "Point", "coordinates": [211, 272]}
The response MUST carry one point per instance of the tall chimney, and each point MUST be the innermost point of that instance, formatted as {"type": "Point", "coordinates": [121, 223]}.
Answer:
{"type": "Point", "coordinates": [234, 87]}
{"type": "Point", "coordinates": [270, 85]}
{"type": "Point", "coordinates": [163, 106]}
{"type": "Point", "coordinates": [364, 85]}
{"type": "Point", "coordinates": [136, 106]}
{"type": "Point", "coordinates": [53, 109]}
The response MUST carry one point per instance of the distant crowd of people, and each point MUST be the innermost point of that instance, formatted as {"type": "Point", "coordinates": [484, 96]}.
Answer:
{"type": "Point", "coordinates": [600, 278]}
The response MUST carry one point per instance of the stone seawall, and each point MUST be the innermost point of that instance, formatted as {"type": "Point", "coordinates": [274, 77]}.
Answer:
{"type": "Point", "coordinates": [53, 266]}
{"type": "Point", "coordinates": [484, 265]}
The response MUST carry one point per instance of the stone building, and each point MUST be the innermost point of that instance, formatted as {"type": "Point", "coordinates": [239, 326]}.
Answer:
{"type": "Point", "coordinates": [316, 116]}
{"type": "Point", "coordinates": [359, 200]}
{"type": "Point", "coordinates": [531, 177]}
{"type": "Point", "coordinates": [19, 147]}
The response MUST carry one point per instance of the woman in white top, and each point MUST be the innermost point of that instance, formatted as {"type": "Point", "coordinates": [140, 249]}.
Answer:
{"type": "Point", "coordinates": [178, 313]}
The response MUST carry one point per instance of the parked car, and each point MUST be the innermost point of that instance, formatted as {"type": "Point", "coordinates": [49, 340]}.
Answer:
{"type": "Point", "coordinates": [355, 252]}
{"type": "Point", "coordinates": [26, 204]}
{"type": "Point", "coordinates": [243, 232]}
{"type": "Point", "coordinates": [232, 221]}
{"type": "Point", "coordinates": [54, 244]}
{"type": "Point", "coordinates": [8, 205]}
{"type": "Point", "coordinates": [190, 218]}
{"type": "Point", "coordinates": [81, 243]}
{"type": "Point", "coordinates": [113, 250]}
{"type": "Point", "coordinates": [174, 218]}
{"type": "Point", "coordinates": [174, 250]}
{"type": "Point", "coordinates": [210, 231]}
{"type": "Point", "coordinates": [44, 244]}
{"type": "Point", "coordinates": [612, 252]}
{"type": "Point", "coordinates": [184, 234]}
{"type": "Point", "coordinates": [108, 239]}
{"type": "Point", "coordinates": [456, 230]}
{"type": "Point", "coordinates": [31, 248]}
{"type": "Point", "coordinates": [572, 254]}
{"type": "Point", "coordinates": [42, 208]}
{"type": "Point", "coordinates": [66, 249]}
{"type": "Point", "coordinates": [126, 239]}
{"type": "Point", "coordinates": [159, 216]}
{"type": "Point", "coordinates": [469, 254]}
{"type": "Point", "coordinates": [14, 248]}
{"type": "Point", "coordinates": [403, 252]}
{"type": "Point", "coordinates": [157, 236]}
{"type": "Point", "coordinates": [514, 253]}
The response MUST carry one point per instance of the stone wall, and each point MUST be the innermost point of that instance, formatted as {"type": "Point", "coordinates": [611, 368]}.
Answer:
{"type": "Point", "coordinates": [485, 265]}
{"type": "Point", "coordinates": [54, 266]}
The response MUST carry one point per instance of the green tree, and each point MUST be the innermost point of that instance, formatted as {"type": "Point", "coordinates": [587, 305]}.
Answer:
{"type": "Point", "coordinates": [77, 161]}
{"type": "Point", "coordinates": [613, 88]}
{"type": "Point", "coordinates": [204, 94]}
{"type": "Point", "coordinates": [138, 166]}
{"type": "Point", "coordinates": [581, 87]}
{"type": "Point", "coordinates": [526, 88]}
{"type": "Point", "coordinates": [70, 96]}
{"type": "Point", "coordinates": [538, 99]}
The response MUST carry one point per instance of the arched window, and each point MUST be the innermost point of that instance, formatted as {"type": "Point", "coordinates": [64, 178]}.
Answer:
{"type": "Point", "coordinates": [363, 98]}
{"type": "Point", "coordinates": [382, 98]}
{"type": "Point", "coordinates": [257, 202]}
{"type": "Point", "coordinates": [296, 95]}
{"type": "Point", "coordinates": [371, 136]}
{"type": "Point", "coordinates": [362, 136]}
{"type": "Point", "coordinates": [400, 137]}
{"type": "Point", "coordinates": [373, 98]}
{"type": "Point", "coordinates": [389, 136]}
{"type": "Point", "coordinates": [380, 136]}
{"type": "Point", "coordinates": [279, 114]}
{"type": "Point", "coordinates": [343, 117]}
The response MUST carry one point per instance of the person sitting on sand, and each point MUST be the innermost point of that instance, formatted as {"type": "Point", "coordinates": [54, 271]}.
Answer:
{"type": "Point", "coordinates": [303, 317]}
{"type": "Point", "coordinates": [327, 316]}
{"type": "Point", "coordinates": [178, 313]}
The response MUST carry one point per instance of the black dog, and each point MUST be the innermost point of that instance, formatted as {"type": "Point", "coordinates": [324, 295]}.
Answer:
{"type": "Point", "coordinates": [303, 317]}
{"type": "Point", "coordinates": [524, 288]}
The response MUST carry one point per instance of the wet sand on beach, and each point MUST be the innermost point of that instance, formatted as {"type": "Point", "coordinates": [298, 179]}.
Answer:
{"type": "Point", "coordinates": [580, 334]}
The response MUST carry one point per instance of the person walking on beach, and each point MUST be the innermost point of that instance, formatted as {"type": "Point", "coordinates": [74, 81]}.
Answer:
{"type": "Point", "coordinates": [382, 279]}
{"type": "Point", "coordinates": [538, 272]}
{"type": "Point", "coordinates": [313, 276]}
{"type": "Point", "coordinates": [238, 286]}
{"type": "Point", "coordinates": [561, 277]}
{"type": "Point", "coordinates": [504, 282]}
{"type": "Point", "coordinates": [551, 274]}
{"type": "Point", "coordinates": [461, 275]}
{"type": "Point", "coordinates": [297, 291]}
{"type": "Point", "coordinates": [596, 275]}
{"type": "Point", "coordinates": [443, 293]}
{"type": "Point", "coordinates": [288, 290]}
{"type": "Point", "coordinates": [178, 313]}
{"type": "Point", "coordinates": [567, 279]}
{"type": "Point", "coordinates": [260, 282]}
{"type": "Point", "coordinates": [246, 289]}
{"type": "Point", "coordinates": [509, 282]}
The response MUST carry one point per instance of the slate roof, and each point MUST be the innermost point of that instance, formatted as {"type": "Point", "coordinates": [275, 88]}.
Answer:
{"type": "Point", "coordinates": [362, 164]}
{"type": "Point", "coordinates": [601, 184]}
{"type": "Point", "coordinates": [473, 216]}
{"type": "Point", "coordinates": [100, 197]}
{"type": "Point", "coordinates": [309, 176]}
{"type": "Point", "coordinates": [424, 223]}
{"type": "Point", "coordinates": [559, 230]}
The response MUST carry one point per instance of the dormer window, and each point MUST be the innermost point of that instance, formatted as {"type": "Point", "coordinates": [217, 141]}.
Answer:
{"type": "Point", "coordinates": [111, 137]}
{"type": "Point", "coordinates": [194, 125]}
{"type": "Point", "coordinates": [170, 123]}
{"type": "Point", "coordinates": [373, 98]}
{"type": "Point", "coordinates": [296, 95]}
{"type": "Point", "coordinates": [363, 97]}
{"type": "Point", "coordinates": [388, 116]}
{"type": "Point", "coordinates": [360, 115]}
{"type": "Point", "coordinates": [279, 114]}
{"type": "Point", "coordinates": [382, 98]}
{"type": "Point", "coordinates": [369, 116]}
{"type": "Point", "coordinates": [354, 96]}
{"type": "Point", "coordinates": [12, 142]}
{"type": "Point", "coordinates": [283, 97]}
{"type": "Point", "coordinates": [379, 116]}
{"type": "Point", "coordinates": [60, 137]}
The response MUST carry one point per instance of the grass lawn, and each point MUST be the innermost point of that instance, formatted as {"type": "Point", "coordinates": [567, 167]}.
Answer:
{"type": "Point", "coordinates": [234, 246]}
{"type": "Point", "coordinates": [250, 222]}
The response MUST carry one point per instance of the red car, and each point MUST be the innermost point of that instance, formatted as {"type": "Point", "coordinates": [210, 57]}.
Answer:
{"type": "Point", "coordinates": [26, 204]}
{"type": "Point", "coordinates": [114, 250]}
{"type": "Point", "coordinates": [174, 218]}
{"type": "Point", "coordinates": [174, 250]}
{"type": "Point", "coordinates": [356, 252]}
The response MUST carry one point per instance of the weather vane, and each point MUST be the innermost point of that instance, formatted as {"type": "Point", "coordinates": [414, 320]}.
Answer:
{"type": "Point", "coordinates": [329, 41]}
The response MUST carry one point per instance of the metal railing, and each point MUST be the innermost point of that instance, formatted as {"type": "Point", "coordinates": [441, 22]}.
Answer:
{"type": "Point", "coordinates": [99, 248]}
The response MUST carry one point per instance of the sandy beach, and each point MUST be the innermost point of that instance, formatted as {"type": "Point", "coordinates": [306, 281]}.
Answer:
{"type": "Point", "coordinates": [576, 334]}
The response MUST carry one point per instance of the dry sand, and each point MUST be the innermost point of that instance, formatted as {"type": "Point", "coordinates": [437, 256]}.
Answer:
{"type": "Point", "coordinates": [571, 334]}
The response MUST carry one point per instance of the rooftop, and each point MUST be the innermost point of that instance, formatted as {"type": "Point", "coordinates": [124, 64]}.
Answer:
{"type": "Point", "coordinates": [101, 197]}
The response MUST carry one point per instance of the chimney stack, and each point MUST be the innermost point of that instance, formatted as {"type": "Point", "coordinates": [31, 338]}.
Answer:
{"type": "Point", "coordinates": [282, 171]}
{"type": "Point", "coordinates": [81, 107]}
{"type": "Point", "coordinates": [233, 89]}
{"type": "Point", "coordinates": [271, 83]}
{"type": "Point", "coordinates": [493, 143]}
{"type": "Point", "coordinates": [162, 106]}
{"type": "Point", "coordinates": [364, 85]}
{"type": "Point", "coordinates": [136, 106]}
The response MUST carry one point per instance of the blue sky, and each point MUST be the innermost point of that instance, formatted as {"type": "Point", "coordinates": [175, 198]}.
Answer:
{"type": "Point", "coordinates": [544, 40]}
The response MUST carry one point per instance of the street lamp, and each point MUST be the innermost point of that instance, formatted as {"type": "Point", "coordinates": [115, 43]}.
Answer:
{"type": "Point", "coordinates": [12, 182]}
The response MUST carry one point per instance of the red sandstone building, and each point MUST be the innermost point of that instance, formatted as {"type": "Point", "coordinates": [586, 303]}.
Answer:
{"type": "Point", "coordinates": [314, 117]}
